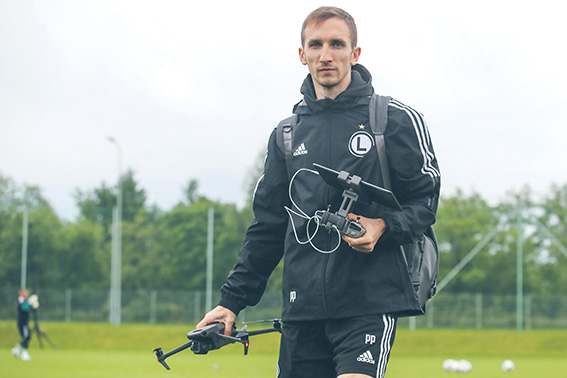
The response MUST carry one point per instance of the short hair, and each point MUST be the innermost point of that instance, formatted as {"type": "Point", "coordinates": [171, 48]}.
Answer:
{"type": "Point", "coordinates": [324, 13]}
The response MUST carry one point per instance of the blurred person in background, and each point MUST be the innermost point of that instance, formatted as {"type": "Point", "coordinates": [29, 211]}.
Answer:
{"type": "Point", "coordinates": [25, 306]}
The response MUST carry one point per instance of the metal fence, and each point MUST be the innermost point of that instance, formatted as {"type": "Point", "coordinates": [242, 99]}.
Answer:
{"type": "Point", "coordinates": [188, 307]}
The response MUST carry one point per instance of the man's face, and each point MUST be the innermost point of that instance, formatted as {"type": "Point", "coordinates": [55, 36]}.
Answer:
{"type": "Point", "coordinates": [328, 54]}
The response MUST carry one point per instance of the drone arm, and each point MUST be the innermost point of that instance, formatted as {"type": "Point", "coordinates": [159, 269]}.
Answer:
{"type": "Point", "coordinates": [262, 331]}
{"type": "Point", "coordinates": [162, 356]}
{"type": "Point", "coordinates": [230, 339]}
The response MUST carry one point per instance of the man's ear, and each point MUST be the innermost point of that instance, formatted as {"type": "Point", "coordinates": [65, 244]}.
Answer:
{"type": "Point", "coordinates": [355, 55]}
{"type": "Point", "coordinates": [302, 56]}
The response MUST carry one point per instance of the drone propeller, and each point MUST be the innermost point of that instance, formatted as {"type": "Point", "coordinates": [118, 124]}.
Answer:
{"type": "Point", "coordinates": [276, 323]}
{"type": "Point", "coordinates": [162, 356]}
{"type": "Point", "coordinates": [262, 321]}
{"type": "Point", "coordinates": [159, 355]}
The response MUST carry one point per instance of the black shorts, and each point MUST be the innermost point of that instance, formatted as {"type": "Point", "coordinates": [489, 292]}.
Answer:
{"type": "Point", "coordinates": [329, 348]}
{"type": "Point", "coordinates": [25, 333]}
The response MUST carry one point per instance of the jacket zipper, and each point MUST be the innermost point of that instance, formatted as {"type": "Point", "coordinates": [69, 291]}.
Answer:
{"type": "Point", "coordinates": [326, 257]}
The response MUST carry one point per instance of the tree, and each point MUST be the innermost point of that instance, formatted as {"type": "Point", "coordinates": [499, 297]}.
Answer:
{"type": "Point", "coordinates": [43, 239]}
{"type": "Point", "coordinates": [10, 246]}
{"type": "Point", "coordinates": [45, 247]}
{"type": "Point", "coordinates": [143, 262]}
{"type": "Point", "coordinates": [191, 192]}
{"type": "Point", "coordinates": [134, 198]}
{"type": "Point", "coordinates": [96, 205]}
{"type": "Point", "coordinates": [549, 243]}
{"type": "Point", "coordinates": [82, 262]}
{"type": "Point", "coordinates": [9, 202]}
{"type": "Point", "coordinates": [180, 241]}
{"type": "Point", "coordinates": [10, 249]}
{"type": "Point", "coordinates": [461, 223]}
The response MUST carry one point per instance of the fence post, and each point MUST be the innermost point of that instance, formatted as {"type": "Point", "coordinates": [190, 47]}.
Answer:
{"type": "Point", "coordinates": [197, 306]}
{"type": "Point", "coordinates": [68, 298]}
{"type": "Point", "coordinates": [528, 305]}
{"type": "Point", "coordinates": [153, 306]}
{"type": "Point", "coordinates": [209, 267]}
{"type": "Point", "coordinates": [520, 273]}
{"type": "Point", "coordinates": [412, 323]}
{"type": "Point", "coordinates": [430, 314]}
{"type": "Point", "coordinates": [478, 302]}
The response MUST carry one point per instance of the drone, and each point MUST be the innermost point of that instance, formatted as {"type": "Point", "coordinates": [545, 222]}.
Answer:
{"type": "Point", "coordinates": [212, 337]}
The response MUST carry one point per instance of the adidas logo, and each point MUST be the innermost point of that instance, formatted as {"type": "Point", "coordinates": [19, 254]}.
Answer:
{"type": "Point", "coordinates": [366, 357]}
{"type": "Point", "coordinates": [301, 150]}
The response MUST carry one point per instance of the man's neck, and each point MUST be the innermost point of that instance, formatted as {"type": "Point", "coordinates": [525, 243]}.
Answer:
{"type": "Point", "coordinates": [323, 92]}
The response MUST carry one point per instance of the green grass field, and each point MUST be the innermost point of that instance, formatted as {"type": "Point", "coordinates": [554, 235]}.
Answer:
{"type": "Point", "coordinates": [101, 350]}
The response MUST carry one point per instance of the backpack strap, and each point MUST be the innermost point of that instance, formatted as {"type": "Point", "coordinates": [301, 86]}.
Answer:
{"type": "Point", "coordinates": [378, 124]}
{"type": "Point", "coordinates": [378, 109]}
{"type": "Point", "coordinates": [284, 138]}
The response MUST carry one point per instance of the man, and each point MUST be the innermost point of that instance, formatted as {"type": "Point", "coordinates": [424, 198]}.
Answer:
{"type": "Point", "coordinates": [24, 308]}
{"type": "Point", "coordinates": [340, 308]}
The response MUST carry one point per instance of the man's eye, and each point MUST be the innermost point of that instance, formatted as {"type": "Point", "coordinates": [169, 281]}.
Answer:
{"type": "Point", "coordinates": [315, 44]}
{"type": "Point", "coordinates": [337, 43]}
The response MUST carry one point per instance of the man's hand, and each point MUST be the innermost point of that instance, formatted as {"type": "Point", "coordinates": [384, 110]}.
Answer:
{"type": "Point", "coordinates": [222, 315]}
{"type": "Point", "coordinates": [374, 230]}
{"type": "Point", "coordinates": [34, 301]}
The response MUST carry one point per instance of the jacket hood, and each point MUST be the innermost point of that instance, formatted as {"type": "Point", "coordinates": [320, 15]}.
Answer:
{"type": "Point", "coordinates": [360, 86]}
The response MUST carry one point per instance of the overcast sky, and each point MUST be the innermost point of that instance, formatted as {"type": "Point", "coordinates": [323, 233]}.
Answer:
{"type": "Point", "coordinates": [192, 91]}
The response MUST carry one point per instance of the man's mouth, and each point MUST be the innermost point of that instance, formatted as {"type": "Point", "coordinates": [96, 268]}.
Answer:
{"type": "Point", "coordinates": [326, 70]}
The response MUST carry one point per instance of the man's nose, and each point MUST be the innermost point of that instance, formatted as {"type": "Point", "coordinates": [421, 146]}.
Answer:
{"type": "Point", "coordinates": [325, 54]}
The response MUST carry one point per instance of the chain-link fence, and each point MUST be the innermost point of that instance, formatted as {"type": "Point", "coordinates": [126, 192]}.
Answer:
{"type": "Point", "coordinates": [141, 306]}
{"type": "Point", "coordinates": [188, 307]}
{"type": "Point", "coordinates": [493, 311]}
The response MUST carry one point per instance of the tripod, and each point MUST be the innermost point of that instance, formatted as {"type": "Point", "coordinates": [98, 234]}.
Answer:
{"type": "Point", "coordinates": [39, 332]}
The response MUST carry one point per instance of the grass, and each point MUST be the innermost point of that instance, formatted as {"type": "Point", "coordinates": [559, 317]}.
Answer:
{"type": "Point", "coordinates": [483, 367]}
{"type": "Point", "coordinates": [101, 350]}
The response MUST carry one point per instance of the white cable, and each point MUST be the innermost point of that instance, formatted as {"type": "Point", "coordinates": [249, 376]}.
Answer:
{"type": "Point", "coordinates": [291, 184]}
{"type": "Point", "coordinates": [317, 229]}
{"type": "Point", "coordinates": [301, 214]}
{"type": "Point", "coordinates": [289, 213]}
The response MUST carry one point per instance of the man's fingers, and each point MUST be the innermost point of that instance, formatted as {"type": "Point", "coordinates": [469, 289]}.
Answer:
{"type": "Point", "coordinates": [228, 328]}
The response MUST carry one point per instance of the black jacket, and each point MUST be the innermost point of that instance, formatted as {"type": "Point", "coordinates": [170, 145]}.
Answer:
{"type": "Point", "coordinates": [24, 309]}
{"type": "Point", "coordinates": [345, 283]}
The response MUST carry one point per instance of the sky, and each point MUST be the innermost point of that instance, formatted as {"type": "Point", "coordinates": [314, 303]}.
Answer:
{"type": "Point", "coordinates": [192, 91]}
